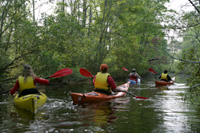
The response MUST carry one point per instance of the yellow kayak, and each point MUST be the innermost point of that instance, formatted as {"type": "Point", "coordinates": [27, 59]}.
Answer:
{"type": "Point", "coordinates": [31, 102]}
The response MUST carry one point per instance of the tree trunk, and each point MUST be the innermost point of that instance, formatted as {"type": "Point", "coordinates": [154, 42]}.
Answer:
{"type": "Point", "coordinates": [33, 10]}
{"type": "Point", "coordinates": [84, 12]}
{"type": "Point", "coordinates": [90, 21]}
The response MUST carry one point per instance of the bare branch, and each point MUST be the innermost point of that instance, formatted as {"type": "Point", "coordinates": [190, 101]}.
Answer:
{"type": "Point", "coordinates": [194, 6]}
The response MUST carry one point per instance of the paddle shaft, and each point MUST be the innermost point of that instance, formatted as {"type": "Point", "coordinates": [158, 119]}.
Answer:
{"type": "Point", "coordinates": [130, 93]}
{"type": "Point", "coordinates": [4, 92]}
{"type": "Point", "coordinates": [134, 95]}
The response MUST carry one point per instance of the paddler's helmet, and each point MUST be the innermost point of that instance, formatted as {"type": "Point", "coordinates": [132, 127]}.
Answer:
{"type": "Point", "coordinates": [133, 70]}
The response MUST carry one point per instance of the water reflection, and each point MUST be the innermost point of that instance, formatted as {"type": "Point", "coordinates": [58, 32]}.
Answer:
{"type": "Point", "coordinates": [161, 87]}
{"type": "Point", "coordinates": [165, 111]}
{"type": "Point", "coordinates": [173, 109]}
{"type": "Point", "coordinates": [102, 113]}
{"type": "Point", "coordinates": [24, 114]}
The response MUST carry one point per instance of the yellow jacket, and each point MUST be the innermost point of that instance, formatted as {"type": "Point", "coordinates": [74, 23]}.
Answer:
{"type": "Point", "coordinates": [164, 76]}
{"type": "Point", "coordinates": [28, 84]}
{"type": "Point", "coordinates": [101, 81]}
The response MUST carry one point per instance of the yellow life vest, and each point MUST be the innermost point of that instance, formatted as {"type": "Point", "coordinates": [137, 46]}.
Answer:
{"type": "Point", "coordinates": [164, 76]}
{"type": "Point", "coordinates": [28, 84]}
{"type": "Point", "coordinates": [101, 81]}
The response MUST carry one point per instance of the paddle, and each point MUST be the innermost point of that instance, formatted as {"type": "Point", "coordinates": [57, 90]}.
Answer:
{"type": "Point", "coordinates": [152, 71]}
{"type": "Point", "coordinates": [86, 73]}
{"type": "Point", "coordinates": [61, 73]}
{"type": "Point", "coordinates": [125, 69]}
{"type": "Point", "coordinates": [135, 95]}
{"type": "Point", "coordinates": [128, 71]}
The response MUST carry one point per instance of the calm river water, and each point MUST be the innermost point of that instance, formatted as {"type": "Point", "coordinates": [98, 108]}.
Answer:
{"type": "Point", "coordinates": [165, 111]}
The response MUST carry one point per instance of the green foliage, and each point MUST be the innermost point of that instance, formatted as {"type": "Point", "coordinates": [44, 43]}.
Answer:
{"type": "Point", "coordinates": [117, 32]}
{"type": "Point", "coordinates": [190, 53]}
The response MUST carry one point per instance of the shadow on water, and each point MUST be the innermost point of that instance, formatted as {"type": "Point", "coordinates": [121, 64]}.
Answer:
{"type": "Point", "coordinates": [165, 111]}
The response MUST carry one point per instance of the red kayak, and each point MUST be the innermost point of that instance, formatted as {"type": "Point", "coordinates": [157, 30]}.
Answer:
{"type": "Point", "coordinates": [163, 82]}
{"type": "Point", "coordinates": [79, 98]}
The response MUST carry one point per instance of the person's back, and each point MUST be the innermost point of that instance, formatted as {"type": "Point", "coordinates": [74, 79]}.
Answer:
{"type": "Point", "coordinates": [165, 77]}
{"type": "Point", "coordinates": [103, 82]}
{"type": "Point", "coordinates": [26, 82]}
{"type": "Point", "coordinates": [134, 75]}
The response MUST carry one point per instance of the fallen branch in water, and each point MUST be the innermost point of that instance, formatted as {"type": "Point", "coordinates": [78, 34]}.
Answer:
{"type": "Point", "coordinates": [194, 86]}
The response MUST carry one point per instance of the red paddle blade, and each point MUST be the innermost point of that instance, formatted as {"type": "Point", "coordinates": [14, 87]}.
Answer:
{"type": "Point", "coordinates": [85, 72]}
{"type": "Point", "coordinates": [125, 69]}
{"type": "Point", "coordinates": [151, 70]}
{"type": "Point", "coordinates": [141, 97]}
{"type": "Point", "coordinates": [61, 73]}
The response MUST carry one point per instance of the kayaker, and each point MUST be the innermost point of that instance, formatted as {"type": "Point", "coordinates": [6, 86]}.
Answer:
{"type": "Point", "coordinates": [26, 82]}
{"type": "Point", "coordinates": [134, 75]}
{"type": "Point", "coordinates": [103, 82]}
{"type": "Point", "coordinates": [165, 76]}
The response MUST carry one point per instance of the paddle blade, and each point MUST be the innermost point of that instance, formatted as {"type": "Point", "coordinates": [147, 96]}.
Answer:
{"type": "Point", "coordinates": [61, 73]}
{"type": "Point", "coordinates": [85, 72]}
{"type": "Point", "coordinates": [151, 70]}
{"type": "Point", "coordinates": [173, 79]}
{"type": "Point", "coordinates": [140, 97]}
{"type": "Point", "coordinates": [125, 69]}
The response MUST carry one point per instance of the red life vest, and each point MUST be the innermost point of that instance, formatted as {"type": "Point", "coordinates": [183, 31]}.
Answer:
{"type": "Point", "coordinates": [133, 77]}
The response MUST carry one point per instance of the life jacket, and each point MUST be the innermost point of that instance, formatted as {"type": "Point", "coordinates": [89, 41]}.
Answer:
{"type": "Point", "coordinates": [164, 76]}
{"type": "Point", "coordinates": [133, 77]}
{"type": "Point", "coordinates": [101, 81]}
{"type": "Point", "coordinates": [28, 84]}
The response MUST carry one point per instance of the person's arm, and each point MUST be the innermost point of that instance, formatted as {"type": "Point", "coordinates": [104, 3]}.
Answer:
{"type": "Point", "coordinates": [111, 83]}
{"type": "Point", "coordinates": [94, 79]}
{"type": "Point", "coordinates": [137, 75]}
{"type": "Point", "coordinates": [41, 81]}
{"type": "Point", "coordinates": [113, 86]}
{"type": "Point", "coordinates": [14, 89]}
{"type": "Point", "coordinates": [169, 78]}
{"type": "Point", "coordinates": [130, 74]}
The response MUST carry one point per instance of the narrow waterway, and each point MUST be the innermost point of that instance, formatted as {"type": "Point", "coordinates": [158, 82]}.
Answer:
{"type": "Point", "coordinates": [165, 111]}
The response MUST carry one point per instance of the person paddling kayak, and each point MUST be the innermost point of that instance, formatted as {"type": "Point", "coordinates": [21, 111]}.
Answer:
{"type": "Point", "coordinates": [103, 82]}
{"type": "Point", "coordinates": [134, 76]}
{"type": "Point", "coordinates": [26, 82]}
{"type": "Point", "coordinates": [165, 76]}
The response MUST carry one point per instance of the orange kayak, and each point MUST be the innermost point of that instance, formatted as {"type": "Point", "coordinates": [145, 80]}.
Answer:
{"type": "Point", "coordinates": [163, 82]}
{"type": "Point", "coordinates": [79, 98]}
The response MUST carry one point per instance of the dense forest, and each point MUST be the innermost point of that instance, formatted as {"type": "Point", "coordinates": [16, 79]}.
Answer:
{"type": "Point", "coordinates": [87, 33]}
